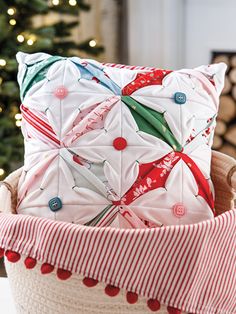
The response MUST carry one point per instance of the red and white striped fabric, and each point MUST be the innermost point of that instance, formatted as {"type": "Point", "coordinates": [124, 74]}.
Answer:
{"type": "Point", "coordinates": [189, 267]}
{"type": "Point", "coordinates": [130, 67]}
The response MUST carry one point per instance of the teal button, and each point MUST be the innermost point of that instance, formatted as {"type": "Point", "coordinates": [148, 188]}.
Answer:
{"type": "Point", "coordinates": [55, 204]}
{"type": "Point", "coordinates": [180, 98]}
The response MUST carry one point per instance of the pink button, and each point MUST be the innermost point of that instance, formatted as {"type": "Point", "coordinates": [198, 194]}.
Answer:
{"type": "Point", "coordinates": [179, 210]}
{"type": "Point", "coordinates": [61, 92]}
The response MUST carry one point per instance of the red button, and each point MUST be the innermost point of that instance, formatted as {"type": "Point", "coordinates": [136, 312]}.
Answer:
{"type": "Point", "coordinates": [179, 210]}
{"type": "Point", "coordinates": [119, 143]}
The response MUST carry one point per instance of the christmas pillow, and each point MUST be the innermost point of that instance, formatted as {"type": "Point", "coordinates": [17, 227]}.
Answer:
{"type": "Point", "coordinates": [112, 145]}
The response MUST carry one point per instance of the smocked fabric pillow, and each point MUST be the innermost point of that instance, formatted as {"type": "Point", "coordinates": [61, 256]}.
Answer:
{"type": "Point", "coordinates": [111, 145]}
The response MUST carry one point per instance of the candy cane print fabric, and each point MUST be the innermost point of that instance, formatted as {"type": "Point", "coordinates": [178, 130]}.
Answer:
{"type": "Point", "coordinates": [119, 146]}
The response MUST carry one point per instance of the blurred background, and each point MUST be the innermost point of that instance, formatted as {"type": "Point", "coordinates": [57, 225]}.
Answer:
{"type": "Point", "coordinates": [162, 33]}
{"type": "Point", "coordinates": [169, 34]}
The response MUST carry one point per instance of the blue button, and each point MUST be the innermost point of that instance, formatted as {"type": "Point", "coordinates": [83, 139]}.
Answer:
{"type": "Point", "coordinates": [55, 204]}
{"type": "Point", "coordinates": [180, 98]}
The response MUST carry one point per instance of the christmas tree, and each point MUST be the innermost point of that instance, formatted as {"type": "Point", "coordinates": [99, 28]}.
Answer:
{"type": "Point", "coordinates": [18, 32]}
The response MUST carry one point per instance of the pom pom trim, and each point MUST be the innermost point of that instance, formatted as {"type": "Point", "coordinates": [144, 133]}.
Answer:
{"type": "Point", "coordinates": [46, 268]}
{"type": "Point", "coordinates": [173, 310]}
{"type": "Point", "coordinates": [63, 274]}
{"type": "Point", "coordinates": [30, 262]}
{"type": "Point", "coordinates": [154, 305]}
{"type": "Point", "coordinates": [12, 256]}
{"type": "Point", "coordinates": [131, 297]}
{"type": "Point", "coordinates": [112, 291]}
{"type": "Point", "coordinates": [90, 282]}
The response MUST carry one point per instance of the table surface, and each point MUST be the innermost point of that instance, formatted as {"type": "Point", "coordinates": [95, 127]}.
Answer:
{"type": "Point", "coordinates": [6, 300]}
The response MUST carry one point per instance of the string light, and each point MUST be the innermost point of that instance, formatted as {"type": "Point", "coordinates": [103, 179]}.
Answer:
{"type": "Point", "coordinates": [12, 22]}
{"type": "Point", "coordinates": [18, 116]}
{"type": "Point", "coordinates": [92, 43]}
{"type": "Point", "coordinates": [2, 172]}
{"type": "Point", "coordinates": [18, 123]}
{"type": "Point", "coordinates": [20, 38]}
{"type": "Point", "coordinates": [11, 11]}
{"type": "Point", "coordinates": [55, 2]}
{"type": "Point", "coordinates": [1, 109]}
{"type": "Point", "coordinates": [72, 2]}
{"type": "Point", "coordinates": [3, 62]}
{"type": "Point", "coordinates": [30, 42]}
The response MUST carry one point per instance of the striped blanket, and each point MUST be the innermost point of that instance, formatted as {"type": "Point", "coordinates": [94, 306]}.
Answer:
{"type": "Point", "coordinates": [189, 267]}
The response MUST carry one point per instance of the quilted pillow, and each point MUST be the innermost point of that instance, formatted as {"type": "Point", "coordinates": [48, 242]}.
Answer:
{"type": "Point", "coordinates": [112, 145]}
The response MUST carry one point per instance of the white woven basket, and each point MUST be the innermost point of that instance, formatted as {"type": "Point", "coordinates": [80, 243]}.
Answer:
{"type": "Point", "coordinates": [34, 293]}
{"type": "Point", "coordinates": [62, 288]}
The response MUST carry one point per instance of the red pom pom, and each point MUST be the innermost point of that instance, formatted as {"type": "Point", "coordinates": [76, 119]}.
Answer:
{"type": "Point", "coordinates": [46, 268]}
{"type": "Point", "coordinates": [153, 304]}
{"type": "Point", "coordinates": [131, 297]}
{"type": "Point", "coordinates": [63, 274]}
{"type": "Point", "coordinates": [30, 262]}
{"type": "Point", "coordinates": [112, 291]}
{"type": "Point", "coordinates": [173, 310]}
{"type": "Point", "coordinates": [90, 282]}
{"type": "Point", "coordinates": [1, 252]}
{"type": "Point", "coordinates": [12, 256]}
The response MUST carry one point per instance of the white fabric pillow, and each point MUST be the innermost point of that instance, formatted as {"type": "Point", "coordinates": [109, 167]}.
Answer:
{"type": "Point", "coordinates": [113, 145]}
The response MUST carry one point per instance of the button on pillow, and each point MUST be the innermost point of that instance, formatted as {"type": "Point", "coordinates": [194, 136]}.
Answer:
{"type": "Point", "coordinates": [180, 98]}
{"type": "Point", "coordinates": [55, 204]}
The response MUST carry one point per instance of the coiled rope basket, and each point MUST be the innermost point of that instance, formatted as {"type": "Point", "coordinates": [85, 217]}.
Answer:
{"type": "Point", "coordinates": [58, 267]}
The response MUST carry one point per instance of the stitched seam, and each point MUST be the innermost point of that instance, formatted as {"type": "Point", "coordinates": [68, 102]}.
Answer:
{"type": "Point", "coordinates": [181, 142]}
{"type": "Point", "coordinates": [59, 159]}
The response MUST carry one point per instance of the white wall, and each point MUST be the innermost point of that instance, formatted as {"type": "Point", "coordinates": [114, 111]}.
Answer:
{"type": "Point", "coordinates": [210, 25]}
{"type": "Point", "coordinates": [151, 40]}
{"type": "Point", "coordinates": [179, 33]}
{"type": "Point", "coordinates": [143, 19]}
